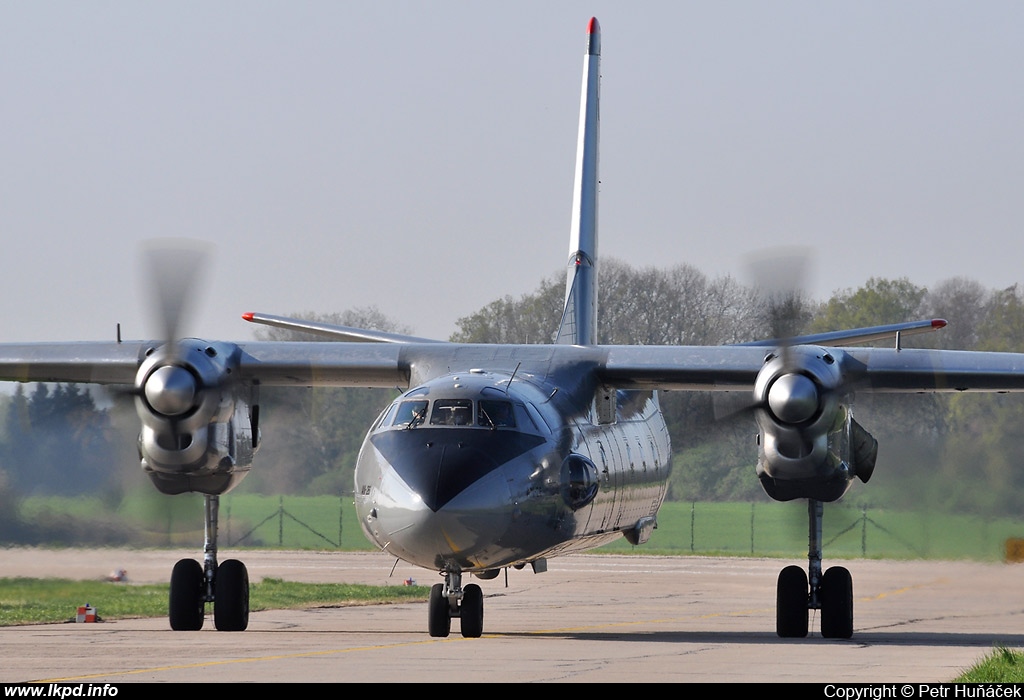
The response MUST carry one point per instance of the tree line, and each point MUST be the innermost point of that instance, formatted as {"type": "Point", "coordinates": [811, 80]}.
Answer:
{"type": "Point", "coordinates": [954, 452]}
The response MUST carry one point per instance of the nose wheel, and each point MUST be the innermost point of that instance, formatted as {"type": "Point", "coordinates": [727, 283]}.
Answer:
{"type": "Point", "coordinates": [830, 592]}
{"type": "Point", "coordinates": [450, 599]}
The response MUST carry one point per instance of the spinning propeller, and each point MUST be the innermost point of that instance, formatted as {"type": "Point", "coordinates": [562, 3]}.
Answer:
{"type": "Point", "coordinates": [178, 387]}
{"type": "Point", "coordinates": [777, 275]}
{"type": "Point", "coordinates": [174, 269]}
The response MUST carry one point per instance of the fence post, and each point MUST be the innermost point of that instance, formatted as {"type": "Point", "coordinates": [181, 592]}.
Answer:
{"type": "Point", "coordinates": [280, 521]}
{"type": "Point", "coordinates": [752, 528]}
{"type": "Point", "coordinates": [864, 530]}
{"type": "Point", "coordinates": [693, 510]}
{"type": "Point", "coordinates": [341, 503]}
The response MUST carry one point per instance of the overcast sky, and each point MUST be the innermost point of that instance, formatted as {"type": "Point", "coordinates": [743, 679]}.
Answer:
{"type": "Point", "coordinates": [418, 156]}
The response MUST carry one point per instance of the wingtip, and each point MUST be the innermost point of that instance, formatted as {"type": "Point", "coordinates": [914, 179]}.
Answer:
{"type": "Point", "coordinates": [593, 27]}
{"type": "Point", "coordinates": [938, 323]}
{"type": "Point", "coordinates": [248, 316]}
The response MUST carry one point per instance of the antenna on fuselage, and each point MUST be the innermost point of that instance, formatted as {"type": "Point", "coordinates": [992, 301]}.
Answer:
{"type": "Point", "coordinates": [509, 385]}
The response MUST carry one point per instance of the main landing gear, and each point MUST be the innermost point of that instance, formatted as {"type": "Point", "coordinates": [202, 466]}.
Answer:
{"type": "Point", "coordinates": [799, 592]}
{"type": "Point", "coordinates": [450, 599]}
{"type": "Point", "coordinates": [225, 585]}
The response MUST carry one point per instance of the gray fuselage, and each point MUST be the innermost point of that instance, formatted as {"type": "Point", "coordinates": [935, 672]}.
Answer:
{"type": "Point", "coordinates": [479, 470]}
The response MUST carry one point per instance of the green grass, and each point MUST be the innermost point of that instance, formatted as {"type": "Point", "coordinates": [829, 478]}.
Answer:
{"type": "Point", "coordinates": [780, 530]}
{"type": "Point", "coordinates": [764, 529]}
{"type": "Point", "coordinates": [31, 601]}
{"type": "Point", "coordinates": [1001, 666]}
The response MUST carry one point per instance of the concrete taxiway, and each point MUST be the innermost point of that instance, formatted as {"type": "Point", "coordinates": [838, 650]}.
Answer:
{"type": "Point", "coordinates": [592, 618]}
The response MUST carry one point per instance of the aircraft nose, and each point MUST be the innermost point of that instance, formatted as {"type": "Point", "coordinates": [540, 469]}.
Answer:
{"type": "Point", "coordinates": [458, 532]}
{"type": "Point", "coordinates": [444, 492]}
{"type": "Point", "coordinates": [440, 464]}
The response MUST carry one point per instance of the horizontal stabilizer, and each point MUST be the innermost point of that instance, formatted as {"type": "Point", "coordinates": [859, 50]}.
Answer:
{"type": "Point", "coordinates": [342, 333]}
{"type": "Point", "coordinates": [858, 336]}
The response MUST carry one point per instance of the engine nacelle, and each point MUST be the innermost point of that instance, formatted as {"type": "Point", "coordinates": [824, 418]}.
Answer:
{"type": "Point", "coordinates": [809, 446]}
{"type": "Point", "coordinates": [199, 429]}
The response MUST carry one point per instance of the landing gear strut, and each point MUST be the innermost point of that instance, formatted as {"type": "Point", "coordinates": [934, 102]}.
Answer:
{"type": "Point", "coordinates": [450, 599]}
{"type": "Point", "coordinates": [799, 592]}
{"type": "Point", "coordinates": [194, 585]}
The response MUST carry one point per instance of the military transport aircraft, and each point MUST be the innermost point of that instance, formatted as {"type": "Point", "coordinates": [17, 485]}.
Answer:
{"type": "Point", "coordinates": [502, 456]}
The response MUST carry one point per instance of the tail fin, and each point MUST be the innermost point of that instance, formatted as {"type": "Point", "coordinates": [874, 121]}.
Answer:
{"type": "Point", "coordinates": [579, 317]}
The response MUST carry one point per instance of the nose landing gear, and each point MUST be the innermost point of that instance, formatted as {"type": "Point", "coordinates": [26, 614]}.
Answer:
{"type": "Point", "coordinates": [450, 599]}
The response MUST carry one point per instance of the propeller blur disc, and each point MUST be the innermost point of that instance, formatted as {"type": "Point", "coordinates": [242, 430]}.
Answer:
{"type": "Point", "coordinates": [174, 269]}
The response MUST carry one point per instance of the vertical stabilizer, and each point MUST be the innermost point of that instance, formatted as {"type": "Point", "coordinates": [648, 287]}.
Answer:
{"type": "Point", "coordinates": [579, 318]}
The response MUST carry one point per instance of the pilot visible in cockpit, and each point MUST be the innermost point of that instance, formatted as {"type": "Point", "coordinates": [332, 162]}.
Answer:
{"type": "Point", "coordinates": [461, 415]}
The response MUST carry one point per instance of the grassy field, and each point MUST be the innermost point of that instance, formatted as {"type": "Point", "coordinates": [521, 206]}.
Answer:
{"type": "Point", "coordinates": [28, 601]}
{"type": "Point", "coordinates": [740, 529]}
{"type": "Point", "coordinates": [781, 530]}
{"type": "Point", "coordinates": [1001, 666]}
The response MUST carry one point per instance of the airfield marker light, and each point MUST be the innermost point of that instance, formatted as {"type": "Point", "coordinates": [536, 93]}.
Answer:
{"type": "Point", "coordinates": [86, 613]}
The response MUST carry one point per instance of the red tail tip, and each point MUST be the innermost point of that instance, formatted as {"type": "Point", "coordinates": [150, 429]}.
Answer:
{"type": "Point", "coordinates": [248, 315]}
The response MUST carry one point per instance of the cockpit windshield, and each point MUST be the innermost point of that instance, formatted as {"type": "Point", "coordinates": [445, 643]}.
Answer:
{"type": "Point", "coordinates": [491, 413]}
{"type": "Point", "coordinates": [452, 412]}
{"type": "Point", "coordinates": [411, 413]}
{"type": "Point", "coordinates": [495, 414]}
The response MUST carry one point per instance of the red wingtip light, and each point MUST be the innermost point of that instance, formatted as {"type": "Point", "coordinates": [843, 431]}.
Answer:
{"type": "Point", "coordinates": [938, 323]}
{"type": "Point", "coordinates": [248, 315]}
{"type": "Point", "coordinates": [593, 27]}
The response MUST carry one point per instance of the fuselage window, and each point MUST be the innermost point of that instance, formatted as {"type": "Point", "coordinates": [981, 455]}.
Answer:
{"type": "Point", "coordinates": [410, 414]}
{"type": "Point", "coordinates": [452, 412]}
{"type": "Point", "coordinates": [495, 414]}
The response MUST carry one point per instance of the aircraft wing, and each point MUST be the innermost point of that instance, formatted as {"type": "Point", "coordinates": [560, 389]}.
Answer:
{"type": "Point", "coordinates": [731, 368]}
{"type": "Point", "coordinates": [298, 363]}
{"type": "Point", "coordinates": [389, 365]}
{"type": "Point", "coordinates": [271, 363]}
{"type": "Point", "coordinates": [695, 368]}
{"type": "Point", "coordinates": [277, 363]}
{"type": "Point", "coordinates": [81, 362]}
{"type": "Point", "coordinates": [919, 370]}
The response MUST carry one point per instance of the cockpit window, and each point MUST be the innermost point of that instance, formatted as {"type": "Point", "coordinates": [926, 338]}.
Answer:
{"type": "Point", "coordinates": [452, 412]}
{"type": "Point", "coordinates": [385, 417]}
{"type": "Point", "coordinates": [410, 414]}
{"type": "Point", "coordinates": [495, 414]}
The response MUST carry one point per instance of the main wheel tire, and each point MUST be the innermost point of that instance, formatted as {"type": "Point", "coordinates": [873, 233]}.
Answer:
{"type": "Point", "coordinates": [231, 597]}
{"type": "Point", "coordinates": [837, 604]}
{"type": "Point", "coordinates": [471, 614]}
{"type": "Point", "coordinates": [185, 607]}
{"type": "Point", "coordinates": [439, 622]}
{"type": "Point", "coordinates": [791, 603]}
